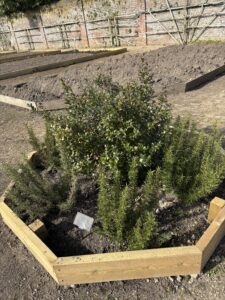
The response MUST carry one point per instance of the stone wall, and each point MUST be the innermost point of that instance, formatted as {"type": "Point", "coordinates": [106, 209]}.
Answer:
{"type": "Point", "coordinates": [104, 23]}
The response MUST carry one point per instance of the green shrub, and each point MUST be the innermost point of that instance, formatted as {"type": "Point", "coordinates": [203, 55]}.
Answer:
{"type": "Point", "coordinates": [36, 194]}
{"type": "Point", "coordinates": [194, 162]}
{"type": "Point", "coordinates": [127, 213]}
{"type": "Point", "coordinates": [113, 123]}
{"type": "Point", "coordinates": [125, 136]}
{"type": "Point", "coordinates": [10, 7]}
{"type": "Point", "coordinates": [50, 187]}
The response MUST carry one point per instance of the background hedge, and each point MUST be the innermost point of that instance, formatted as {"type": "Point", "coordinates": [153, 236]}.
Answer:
{"type": "Point", "coordinates": [11, 7]}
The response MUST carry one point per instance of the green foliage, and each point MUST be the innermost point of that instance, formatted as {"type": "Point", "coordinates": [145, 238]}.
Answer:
{"type": "Point", "coordinates": [194, 162]}
{"type": "Point", "coordinates": [34, 193]}
{"type": "Point", "coordinates": [49, 153]}
{"type": "Point", "coordinates": [127, 213]}
{"type": "Point", "coordinates": [113, 123]}
{"type": "Point", "coordinates": [10, 7]}
{"type": "Point", "coordinates": [51, 187]}
{"type": "Point", "coordinates": [37, 194]}
{"type": "Point", "coordinates": [125, 136]}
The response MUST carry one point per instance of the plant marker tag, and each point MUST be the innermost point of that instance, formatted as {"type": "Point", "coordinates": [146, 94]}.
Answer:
{"type": "Point", "coordinates": [83, 222]}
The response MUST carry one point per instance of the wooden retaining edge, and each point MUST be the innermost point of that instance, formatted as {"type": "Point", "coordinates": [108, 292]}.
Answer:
{"type": "Point", "coordinates": [191, 85]}
{"type": "Point", "coordinates": [7, 52]}
{"type": "Point", "coordinates": [100, 49]}
{"type": "Point", "coordinates": [60, 64]}
{"type": "Point", "coordinates": [212, 237]}
{"type": "Point", "coordinates": [31, 241]}
{"type": "Point", "coordinates": [121, 265]}
{"type": "Point", "coordinates": [215, 207]}
{"type": "Point", "coordinates": [45, 106]}
{"type": "Point", "coordinates": [34, 53]}
{"type": "Point", "coordinates": [17, 102]}
{"type": "Point", "coordinates": [146, 263]}
{"type": "Point", "coordinates": [38, 227]}
{"type": "Point", "coordinates": [28, 55]}
{"type": "Point", "coordinates": [128, 265]}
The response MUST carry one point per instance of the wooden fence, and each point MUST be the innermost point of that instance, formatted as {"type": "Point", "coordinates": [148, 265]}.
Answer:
{"type": "Point", "coordinates": [180, 24]}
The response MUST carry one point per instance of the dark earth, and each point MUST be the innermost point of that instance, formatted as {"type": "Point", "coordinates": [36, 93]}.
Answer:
{"type": "Point", "coordinates": [38, 61]}
{"type": "Point", "coordinates": [170, 66]}
{"type": "Point", "coordinates": [21, 277]}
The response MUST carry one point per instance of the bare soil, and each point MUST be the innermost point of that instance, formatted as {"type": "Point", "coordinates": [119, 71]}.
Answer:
{"type": "Point", "coordinates": [38, 61]}
{"type": "Point", "coordinates": [170, 66]}
{"type": "Point", "coordinates": [205, 104]}
{"type": "Point", "coordinates": [178, 226]}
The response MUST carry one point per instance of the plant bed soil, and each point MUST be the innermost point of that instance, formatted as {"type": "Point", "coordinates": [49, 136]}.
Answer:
{"type": "Point", "coordinates": [171, 66]}
{"type": "Point", "coordinates": [39, 61]}
{"type": "Point", "coordinates": [65, 239]}
{"type": "Point", "coordinates": [179, 225]}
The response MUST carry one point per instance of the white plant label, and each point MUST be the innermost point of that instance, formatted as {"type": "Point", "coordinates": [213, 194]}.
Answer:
{"type": "Point", "coordinates": [83, 222]}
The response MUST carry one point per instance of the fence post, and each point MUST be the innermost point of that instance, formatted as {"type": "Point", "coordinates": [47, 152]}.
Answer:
{"type": "Point", "coordinates": [43, 33]}
{"type": "Point", "coordinates": [146, 26]}
{"type": "Point", "coordinates": [141, 29]}
{"type": "Point", "coordinates": [13, 34]}
{"type": "Point", "coordinates": [85, 25]}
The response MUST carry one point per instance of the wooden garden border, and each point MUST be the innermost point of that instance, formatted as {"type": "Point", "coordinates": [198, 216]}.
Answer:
{"type": "Point", "coordinates": [120, 265]}
{"type": "Point", "coordinates": [33, 53]}
{"type": "Point", "coordinates": [43, 106]}
{"type": "Point", "coordinates": [28, 54]}
{"type": "Point", "coordinates": [53, 104]}
{"type": "Point", "coordinates": [64, 63]}
{"type": "Point", "coordinates": [191, 85]}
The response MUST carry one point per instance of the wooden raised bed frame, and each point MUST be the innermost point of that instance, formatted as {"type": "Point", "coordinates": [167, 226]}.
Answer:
{"type": "Point", "coordinates": [120, 265]}
{"type": "Point", "coordinates": [60, 64]}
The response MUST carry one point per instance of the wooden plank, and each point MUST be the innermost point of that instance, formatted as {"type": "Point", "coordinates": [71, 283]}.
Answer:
{"type": "Point", "coordinates": [31, 241]}
{"type": "Point", "coordinates": [7, 52]}
{"type": "Point", "coordinates": [16, 102]}
{"type": "Point", "coordinates": [191, 85]}
{"type": "Point", "coordinates": [9, 187]}
{"type": "Point", "coordinates": [28, 55]}
{"type": "Point", "coordinates": [100, 49]}
{"type": "Point", "coordinates": [51, 105]}
{"type": "Point", "coordinates": [215, 207]}
{"type": "Point", "coordinates": [60, 64]}
{"type": "Point", "coordinates": [38, 227]}
{"type": "Point", "coordinates": [128, 265]}
{"type": "Point", "coordinates": [212, 237]}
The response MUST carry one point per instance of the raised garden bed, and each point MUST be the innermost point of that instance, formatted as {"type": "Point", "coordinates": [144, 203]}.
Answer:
{"type": "Point", "coordinates": [119, 265]}
{"type": "Point", "coordinates": [38, 64]}
{"type": "Point", "coordinates": [57, 60]}
{"type": "Point", "coordinates": [207, 77]}
{"type": "Point", "coordinates": [38, 106]}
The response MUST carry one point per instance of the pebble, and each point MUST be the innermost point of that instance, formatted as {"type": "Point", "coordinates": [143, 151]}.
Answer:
{"type": "Point", "coordinates": [217, 259]}
{"type": "Point", "coordinates": [72, 286]}
{"type": "Point", "coordinates": [191, 280]}
{"type": "Point", "coordinates": [195, 276]}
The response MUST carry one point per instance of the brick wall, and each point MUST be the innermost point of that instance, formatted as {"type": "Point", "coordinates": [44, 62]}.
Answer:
{"type": "Point", "coordinates": [112, 23]}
